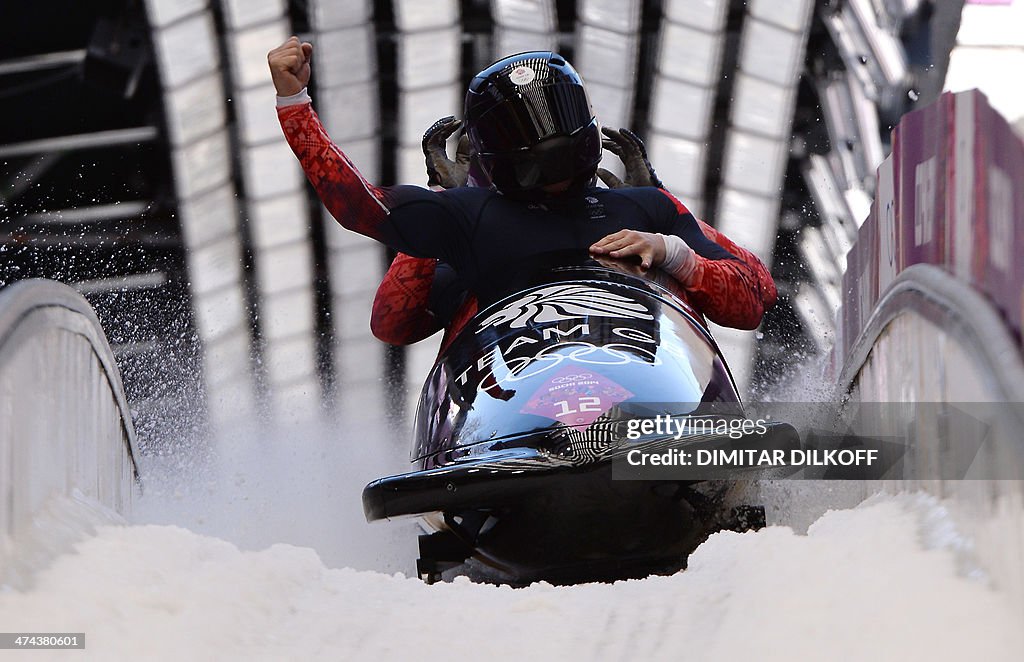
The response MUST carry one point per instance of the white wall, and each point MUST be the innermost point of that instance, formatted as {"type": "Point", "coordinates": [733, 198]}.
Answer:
{"type": "Point", "coordinates": [65, 428]}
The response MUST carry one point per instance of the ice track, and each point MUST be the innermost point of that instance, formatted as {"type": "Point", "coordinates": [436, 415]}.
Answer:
{"type": "Point", "coordinates": [887, 580]}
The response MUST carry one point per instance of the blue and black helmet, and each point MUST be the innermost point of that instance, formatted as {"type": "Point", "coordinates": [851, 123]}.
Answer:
{"type": "Point", "coordinates": [531, 124]}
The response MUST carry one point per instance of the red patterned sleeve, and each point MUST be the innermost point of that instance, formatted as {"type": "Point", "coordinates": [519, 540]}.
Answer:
{"type": "Point", "coordinates": [401, 314]}
{"type": "Point", "coordinates": [353, 201]}
{"type": "Point", "coordinates": [733, 292]}
{"type": "Point", "coordinates": [410, 219]}
{"type": "Point", "coordinates": [769, 295]}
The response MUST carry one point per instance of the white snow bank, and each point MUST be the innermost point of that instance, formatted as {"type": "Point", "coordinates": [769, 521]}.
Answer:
{"type": "Point", "coordinates": [56, 525]}
{"type": "Point", "coordinates": [861, 585]}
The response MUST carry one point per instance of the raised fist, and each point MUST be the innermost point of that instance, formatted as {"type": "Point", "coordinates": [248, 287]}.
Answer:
{"type": "Point", "coordinates": [289, 66]}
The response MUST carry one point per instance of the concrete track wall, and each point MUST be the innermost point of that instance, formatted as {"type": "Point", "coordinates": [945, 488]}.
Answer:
{"type": "Point", "coordinates": [933, 339]}
{"type": "Point", "coordinates": [65, 427]}
{"type": "Point", "coordinates": [933, 315]}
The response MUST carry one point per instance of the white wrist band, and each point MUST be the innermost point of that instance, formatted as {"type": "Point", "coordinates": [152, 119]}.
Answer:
{"type": "Point", "coordinates": [300, 97]}
{"type": "Point", "coordinates": [680, 260]}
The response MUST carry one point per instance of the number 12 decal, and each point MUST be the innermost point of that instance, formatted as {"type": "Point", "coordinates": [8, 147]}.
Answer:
{"type": "Point", "coordinates": [591, 404]}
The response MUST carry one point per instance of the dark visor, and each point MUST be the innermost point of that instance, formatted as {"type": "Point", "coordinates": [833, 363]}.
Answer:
{"type": "Point", "coordinates": [557, 109]}
{"type": "Point", "coordinates": [554, 160]}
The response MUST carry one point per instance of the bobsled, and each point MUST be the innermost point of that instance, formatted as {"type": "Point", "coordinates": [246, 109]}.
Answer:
{"type": "Point", "coordinates": [530, 424]}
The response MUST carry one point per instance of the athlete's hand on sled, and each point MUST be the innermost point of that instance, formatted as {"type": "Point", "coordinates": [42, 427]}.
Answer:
{"type": "Point", "coordinates": [670, 252]}
{"type": "Point", "coordinates": [289, 66]}
{"type": "Point", "coordinates": [647, 246]}
{"type": "Point", "coordinates": [631, 151]}
{"type": "Point", "coordinates": [441, 170]}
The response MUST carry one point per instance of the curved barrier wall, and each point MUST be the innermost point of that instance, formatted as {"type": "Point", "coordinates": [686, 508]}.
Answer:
{"type": "Point", "coordinates": [951, 194]}
{"type": "Point", "coordinates": [932, 314]}
{"type": "Point", "coordinates": [934, 339]}
{"type": "Point", "coordinates": [65, 426]}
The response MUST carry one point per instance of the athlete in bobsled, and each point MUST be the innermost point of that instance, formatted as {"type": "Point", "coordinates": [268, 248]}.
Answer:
{"type": "Point", "coordinates": [542, 390]}
{"type": "Point", "coordinates": [420, 296]}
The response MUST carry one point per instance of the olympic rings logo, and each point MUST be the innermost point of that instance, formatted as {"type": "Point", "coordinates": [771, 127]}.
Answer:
{"type": "Point", "coordinates": [580, 352]}
{"type": "Point", "coordinates": [572, 379]}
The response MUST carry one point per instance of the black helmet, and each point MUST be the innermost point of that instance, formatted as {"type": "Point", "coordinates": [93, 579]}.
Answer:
{"type": "Point", "coordinates": [530, 121]}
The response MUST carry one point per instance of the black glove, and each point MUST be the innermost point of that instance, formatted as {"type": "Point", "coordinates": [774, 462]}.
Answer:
{"type": "Point", "coordinates": [631, 151]}
{"type": "Point", "coordinates": [442, 171]}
